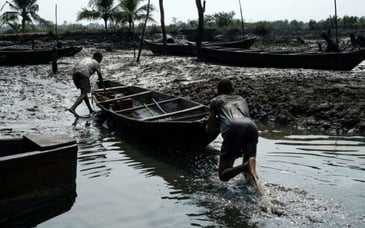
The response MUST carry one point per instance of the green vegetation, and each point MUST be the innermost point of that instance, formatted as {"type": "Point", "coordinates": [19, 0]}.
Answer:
{"type": "Point", "coordinates": [125, 13]}
{"type": "Point", "coordinates": [100, 9]}
{"type": "Point", "coordinates": [25, 11]}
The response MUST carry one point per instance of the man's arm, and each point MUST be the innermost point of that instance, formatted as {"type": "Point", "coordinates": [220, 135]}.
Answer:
{"type": "Point", "coordinates": [99, 75]}
{"type": "Point", "coordinates": [212, 118]}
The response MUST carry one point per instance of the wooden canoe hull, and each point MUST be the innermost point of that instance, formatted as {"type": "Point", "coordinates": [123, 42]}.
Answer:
{"type": "Point", "coordinates": [184, 49]}
{"type": "Point", "coordinates": [162, 135]}
{"type": "Point", "coordinates": [37, 178]}
{"type": "Point", "coordinates": [245, 58]}
{"type": "Point", "coordinates": [34, 56]}
{"type": "Point", "coordinates": [178, 127]}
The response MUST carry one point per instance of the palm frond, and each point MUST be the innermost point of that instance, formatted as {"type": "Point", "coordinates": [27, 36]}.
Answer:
{"type": "Point", "coordinates": [86, 14]}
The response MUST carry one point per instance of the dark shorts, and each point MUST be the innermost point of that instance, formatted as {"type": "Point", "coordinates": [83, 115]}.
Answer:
{"type": "Point", "coordinates": [81, 81]}
{"type": "Point", "coordinates": [240, 140]}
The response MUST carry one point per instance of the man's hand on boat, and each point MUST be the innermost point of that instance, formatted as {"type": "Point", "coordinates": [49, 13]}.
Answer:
{"type": "Point", "coordinates": [204, 120]}
{"type": "Point", "coordinates": [101, 83]}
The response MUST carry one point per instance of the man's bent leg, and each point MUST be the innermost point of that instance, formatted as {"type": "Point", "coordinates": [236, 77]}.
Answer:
{"type": "Point", "coordinates": [77, 103]}
{"type": "Point", "coordinates": [87, 102]}
{"type": "Point", "coordinates": [226, 169]}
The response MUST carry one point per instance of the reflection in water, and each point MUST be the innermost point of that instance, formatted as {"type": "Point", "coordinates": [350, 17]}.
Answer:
{"type": "Point", "coordinates": [130, 185]}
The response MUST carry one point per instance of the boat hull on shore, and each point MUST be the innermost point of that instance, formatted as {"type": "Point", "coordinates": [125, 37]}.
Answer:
{"type": "Point", "coordinates": [152, 117]}
{"type": "Point", "coordinates": [13, 57]}
{"type": "Point", "coordinates": [312, 60]}
{"type": "Point", "coordinates": [184, 49]}
{"type": "Point", "coordinates": [37, 178]}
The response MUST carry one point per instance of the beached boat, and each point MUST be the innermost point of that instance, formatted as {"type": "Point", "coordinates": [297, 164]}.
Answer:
{"type": "Point", "coordinates": [184, 49]}
{"type": "Point", "coordinates": [37, 178]}
{"type": "Point", "coordinates": [152, 117]}
{"type": "Point", "coordinates": [12, 57]}
{"type": "Point", "coordinates": [310, 60]}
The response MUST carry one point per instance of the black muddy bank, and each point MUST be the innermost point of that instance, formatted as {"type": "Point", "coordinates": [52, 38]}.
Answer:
{"type": "Point", "coordinates": [320, 101]}
{"type": "Point", "coordinates": [313, 100]}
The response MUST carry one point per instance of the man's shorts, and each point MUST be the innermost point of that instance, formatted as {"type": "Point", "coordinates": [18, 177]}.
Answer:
{"type": "Point", "coordinates": [240, 140]}
{"type": "Point", "coordinates": [82, 82]}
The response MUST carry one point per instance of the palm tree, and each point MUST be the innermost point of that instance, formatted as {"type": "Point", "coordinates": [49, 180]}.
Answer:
{"type": "Point", "coordinates": [100, 9]}
{"type": "Point", "coordinates": [163, 28]}
{"type": "Point", "coordinates": [26, 10]}
{"type": "Point", "coordinates": [132, 11]}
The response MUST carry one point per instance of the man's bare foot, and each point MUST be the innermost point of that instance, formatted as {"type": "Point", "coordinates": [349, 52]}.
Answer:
{"type": "Point", "coordinates": [73, 112]}
{"type": "Point", "coordinates": [249, 171]}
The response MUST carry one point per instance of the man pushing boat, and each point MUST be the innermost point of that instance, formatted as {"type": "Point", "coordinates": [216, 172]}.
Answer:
{"type": "Point", "coordinates": [239, 132]}
{"type": "Point", "coordinates": [81, 77]}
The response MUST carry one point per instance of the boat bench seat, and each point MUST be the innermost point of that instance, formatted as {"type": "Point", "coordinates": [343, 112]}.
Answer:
{"type": "Point", "coordinates": [147, 105]}
{"type": "Point", "coordinates": [110, 89]}
{"type": "Point", "coordinates": [172, 113]}
{"type": "Point", "coordinates": [125, 97]}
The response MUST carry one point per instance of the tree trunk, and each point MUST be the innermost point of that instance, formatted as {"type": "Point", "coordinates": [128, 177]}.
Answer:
{"type": "Point", "coordinates": [143, 30]}
{"type": "Point", "coordinates": [23, 20]}
{"type": "Point", "coordinates": [106, 24]}
{"type": "Point", "coordinates": [163, 29]}
{"type": "Point", "coordinates": [201, 9]}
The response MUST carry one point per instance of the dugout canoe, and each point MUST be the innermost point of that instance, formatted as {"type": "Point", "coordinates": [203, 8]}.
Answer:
{"type": "Point", "coordinates": [342, 61]}
{"type": "Point", "coordinates": [153, 117]}
{"type": "Point", "coordinates": [37, 178]}
{"type": "Point", "coordinates": [13, 57]}
{"type": "Point", "coordinates": [184, 49]}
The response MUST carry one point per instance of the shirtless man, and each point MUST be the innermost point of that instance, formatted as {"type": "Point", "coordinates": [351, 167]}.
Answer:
{"type": "Point", "coordinates": [81, 77]}
{"type": "Point", "coordinates": [239, 132]}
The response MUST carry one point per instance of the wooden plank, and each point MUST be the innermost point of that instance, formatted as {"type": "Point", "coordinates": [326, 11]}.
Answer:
{"type": "Point", "coordinates": [158, 106]}
{"type": "Point", "coordinates": [172, 113]}
{"type": "Point", "coordinates": [47, 142]}
{"type": "Point", "coordinates": [125, 97]}
{"type": "Point", "coordinates": [148, 105]}
{"type": "Point", "coordinates": [191, 116]}
{"type": "Point", "coordinates": [110, 89]}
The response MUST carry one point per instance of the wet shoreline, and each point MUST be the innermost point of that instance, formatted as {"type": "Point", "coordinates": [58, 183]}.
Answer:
{"type": "Point", "coordinates": [331, 102]}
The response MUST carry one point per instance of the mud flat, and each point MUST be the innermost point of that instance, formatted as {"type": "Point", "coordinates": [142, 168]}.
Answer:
{"type": "Point", "coordinates": [302, 99]}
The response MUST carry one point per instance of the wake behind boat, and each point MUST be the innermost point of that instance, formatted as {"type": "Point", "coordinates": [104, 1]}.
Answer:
{"type": "Point", "coordinates": [152, 117]}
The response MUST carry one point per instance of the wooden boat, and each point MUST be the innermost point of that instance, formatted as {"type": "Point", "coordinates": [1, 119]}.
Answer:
{"type": "Point", "coordinates": [12, 57]}
{"type": "Point", "coordinates": [310, 60]}
{"type": "Point", "coordinates": [37, 178]}
{"type": "Point", "coordinates": [184, 49]}
{"type": "Point", "coordinates": [152, 117]}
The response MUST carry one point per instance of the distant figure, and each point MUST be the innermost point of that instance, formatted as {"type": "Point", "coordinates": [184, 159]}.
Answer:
{"type": "Point", "coordinates": [331, 46]}
{"type": "Point", "coordinates": [319, 44]}
{"type": "Point", "coordinates": [54, 61]}
{"type": "Point", "coordinates": [358, 41]}
{"type": "Point", "coordinates": [361, 40]}
{"type": "Point", "coordinates": [300, 40]}
{"type": "Point", "coordinates": [239, 132]}
{"type": "Point", "coordinates": [81, 77]}
{"type": "Point", "coordinates": [353, 40]}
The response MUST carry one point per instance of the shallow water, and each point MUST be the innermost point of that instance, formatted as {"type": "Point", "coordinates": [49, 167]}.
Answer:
{"type": "Point", "coordinates": [316, 180]}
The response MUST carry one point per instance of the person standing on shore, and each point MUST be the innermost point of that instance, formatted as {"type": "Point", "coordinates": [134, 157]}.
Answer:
{"type": "Point", "coordinates": [240, 136]}
{"type": "Point", "coordinates": [81, 77]}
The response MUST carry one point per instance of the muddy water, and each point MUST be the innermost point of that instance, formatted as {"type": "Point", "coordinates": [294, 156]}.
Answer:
{"type": "Point", "coordinates": [316, 180]}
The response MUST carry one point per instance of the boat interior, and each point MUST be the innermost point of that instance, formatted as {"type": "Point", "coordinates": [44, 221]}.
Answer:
{"type": "Point", "coordinates": [145, 105]}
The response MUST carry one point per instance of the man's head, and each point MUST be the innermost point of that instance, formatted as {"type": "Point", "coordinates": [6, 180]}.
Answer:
{"type": "Point", "coordinates": [98, 56]}
{"type": "Point", "coordinates": [225, 86]}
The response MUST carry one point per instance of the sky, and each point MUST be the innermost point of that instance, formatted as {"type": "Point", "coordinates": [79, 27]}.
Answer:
{"type": "Point", "coordinates": [253, 10]}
